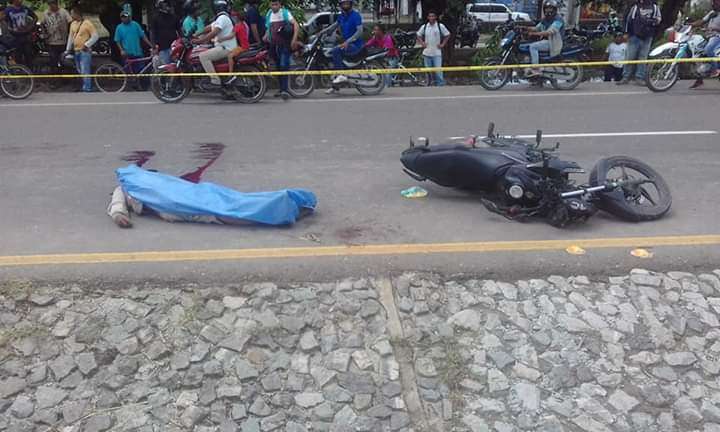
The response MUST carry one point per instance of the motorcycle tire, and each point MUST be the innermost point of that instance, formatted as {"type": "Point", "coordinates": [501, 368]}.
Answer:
{"type": "Point", "coordinates": [115, 83]}
{"type": "Point", "coordinates": [16, 88]}
{"type": "Point", "coordinates": [249, 89]}
{"type": "Point", "coordinates": [170, 89]}
{"type": "Point", "coordinates": [660, 68]}
{"type": "Point", "coordinates": [624, 204]}
{"type": "Point", "coordinates": [377, 88]}
{"type": "Point", "coordinates": [569, 85]}
{"type": "Point", "coordinates": [300, 86]}
{"type": "Point", "coordinates": [503, 75]}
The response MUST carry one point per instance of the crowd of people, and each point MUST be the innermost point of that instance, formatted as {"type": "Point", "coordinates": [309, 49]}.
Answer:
{"type": "Point", "coordinates": [232, 32]}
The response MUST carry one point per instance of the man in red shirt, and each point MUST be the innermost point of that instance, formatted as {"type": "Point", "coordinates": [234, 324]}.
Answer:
{"type": "Point", "coordinates": [241, 32]}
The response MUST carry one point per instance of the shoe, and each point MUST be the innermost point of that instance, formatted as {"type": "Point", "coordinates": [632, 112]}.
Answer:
{"type": "Point", "coordinates": [278, 94]}
{"type": "Point", "coordinates": [340, 79]}
{"type": "Point", "coordinates": [715, 74]}
{"type": "Point", "coordinates": [332, 90]}
{"type": "Point", "coordinates": [697, 84]}
{"type": "Point", "coordinates": [231, 80]}
{"type": "Point", "coordinates": [624, 81]}
{"type": "Point", "coordinates": [284, 95]}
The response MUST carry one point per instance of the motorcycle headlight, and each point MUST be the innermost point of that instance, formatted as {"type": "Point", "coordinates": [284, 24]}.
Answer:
{"type": "Point", "coordinates": [504, 42]}
{"type": "Point", "coordinates": [515, 191]}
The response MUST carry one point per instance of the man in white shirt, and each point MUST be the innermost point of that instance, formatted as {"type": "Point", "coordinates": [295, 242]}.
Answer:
{"type": "Point", "coordinates": [219, 32]}
{"type": "Point", "coordinates": [433, 36]}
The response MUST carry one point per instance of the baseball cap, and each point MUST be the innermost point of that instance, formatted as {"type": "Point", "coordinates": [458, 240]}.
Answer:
{"type": "Point", "coordinates": [124, 14]}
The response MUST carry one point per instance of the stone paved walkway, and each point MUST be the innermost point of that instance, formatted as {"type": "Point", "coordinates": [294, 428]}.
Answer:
{"type": "Point", "coordinates": [639, 352]}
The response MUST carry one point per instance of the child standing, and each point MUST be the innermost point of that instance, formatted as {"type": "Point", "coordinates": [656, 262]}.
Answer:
{"type": "Point", "coordinates": [616, 52]}
{"type": "Point", "coordinates": [384, 41]}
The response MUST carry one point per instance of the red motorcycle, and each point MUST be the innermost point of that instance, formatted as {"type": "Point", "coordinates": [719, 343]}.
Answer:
{"type": "Point", "coordinates": [185, 56]}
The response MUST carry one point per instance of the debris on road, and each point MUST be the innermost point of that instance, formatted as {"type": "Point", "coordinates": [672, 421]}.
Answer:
{"type": "Point", "coordinates": [414, 192]}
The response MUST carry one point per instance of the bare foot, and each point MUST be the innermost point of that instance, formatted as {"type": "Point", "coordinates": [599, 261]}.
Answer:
{"type": "Point", "coordinates": [122, 220]}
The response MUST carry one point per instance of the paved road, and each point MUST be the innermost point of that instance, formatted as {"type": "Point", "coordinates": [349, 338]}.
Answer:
{"type": "Point", "coordinates": [59, 152]}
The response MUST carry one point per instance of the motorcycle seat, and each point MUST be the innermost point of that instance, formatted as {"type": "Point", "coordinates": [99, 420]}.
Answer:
{"type": "Point", "coordinates": [568, 50]}
{"type": "Point", "coordinates": [459, 166]}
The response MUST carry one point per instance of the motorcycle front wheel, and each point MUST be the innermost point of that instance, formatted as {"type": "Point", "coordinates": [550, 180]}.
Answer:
{"type": "Point", "coordinates": [300, 86]}
{"type": "Point", "coordinates": [574, 78]}
{"type": "Point", "coordinates": [494, 79]}
{"type": "Point", "coordinates": [170, 89]}
{"type": "Point", "coordinates": [660, 77]}
{"type": "Point", "coordinates": [20, 86]}
{"type": "Point", "coordinates": [646, 201]}
{"type": "Point", "coordinates": [378, 83]}
{"type": "Point", "coordinates": [249, 89]}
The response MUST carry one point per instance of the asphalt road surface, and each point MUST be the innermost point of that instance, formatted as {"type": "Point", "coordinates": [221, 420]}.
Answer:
{"type": "Point", "coordinates": [58, 153]}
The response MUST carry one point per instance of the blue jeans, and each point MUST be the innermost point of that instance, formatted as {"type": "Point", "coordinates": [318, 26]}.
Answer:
{"type": "Point", "coordinates": [435, 61]}
{"type": "Point", "coordinates": [165, 56]}
{"type": "Point", "coordinates": [281, 53]}
{"type": "Point", "coordinates": [712, 46]}
{"type": "Point", "coordinates": [392, 63]}
{"type": "Point", "coordinates": [536, 48]}
{"type": "Point", "coordinates": [637, 49]}
{"type": "Point", "coordinates": [83, 63]}
{"type": "Point", "coordinates": [338, 54]}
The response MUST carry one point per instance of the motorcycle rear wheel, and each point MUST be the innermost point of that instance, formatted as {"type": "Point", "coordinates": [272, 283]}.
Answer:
{"type": "Point", "coordinates": [494, 79]}
{"type": "Point", "coordinates": [645, 202]}
{"type": "Point", "coordinates": [249, 89]}
{"type": "Point", "coordinates": [16, 88]}
{"type": "Point", "coordinates": [570, 84]}
{"type": "Point", "coordinates": [170, 89]}
{"type": "Point", "coordinates": [300, 86]}
{"type": "Point", "coordinates": [660, 77]}
{"type": "Point", "coordinates": [378, 87]}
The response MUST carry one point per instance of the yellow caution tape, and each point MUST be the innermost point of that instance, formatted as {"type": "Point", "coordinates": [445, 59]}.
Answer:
{"type": "Point", "coordinates": [374, 71]}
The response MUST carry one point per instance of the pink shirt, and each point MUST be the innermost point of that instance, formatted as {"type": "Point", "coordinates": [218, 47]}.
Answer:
{"type": "Point", "coordinates": [385, 43]}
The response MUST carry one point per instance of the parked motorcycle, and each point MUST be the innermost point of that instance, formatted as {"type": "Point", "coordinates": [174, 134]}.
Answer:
{"type": "Point", "coordinates": [11, 85]}
{"type": "Point", "coordinates": [468, 32]}
{"type": "Point", "coordinates": [39, 39]}
{"type": "Point", "coordinates": [317, 55]}
{"type": "Point", "coordinates": [683, 43]}
{"type": "Point", "coordinates": [185, 56]}
{"type": "Point", "coordinates": [518, 180]}
{"type": "Point", "coordinates": [516, 50]}
{"type": "Point", "coordinates": [403, 39]}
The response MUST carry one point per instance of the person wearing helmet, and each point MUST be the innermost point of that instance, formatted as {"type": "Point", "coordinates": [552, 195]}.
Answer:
{"type": "Point", "coordinates": [220, 32]}
{"type": "Point", "coordinates": [193, 24]}
{"type": "Point", "coordinates": [163, 30]}
{"type": "Point", "coordinates": [551, 31]}
{"type": "Point", "coordinates": [712, 32]}
{"type": "Point", "coordinates": [349, 22]}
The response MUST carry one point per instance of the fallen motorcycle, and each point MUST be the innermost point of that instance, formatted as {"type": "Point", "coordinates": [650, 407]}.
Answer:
{"type": "Point", "coordinates": [518, 180]}
{"type": "Point", "coordinates": [172, 88]}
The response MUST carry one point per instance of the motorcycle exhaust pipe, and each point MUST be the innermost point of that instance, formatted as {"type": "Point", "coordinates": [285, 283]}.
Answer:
{"type": "Point", "coordinates": [581, 192]}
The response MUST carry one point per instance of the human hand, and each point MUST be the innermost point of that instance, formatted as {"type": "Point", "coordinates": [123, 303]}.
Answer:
{"type": "Point", "coordinates": [344, 45]}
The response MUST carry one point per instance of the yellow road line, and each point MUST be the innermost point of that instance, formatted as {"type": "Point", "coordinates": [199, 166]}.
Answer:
{"type": "Point", "coordinates": [350, 251]}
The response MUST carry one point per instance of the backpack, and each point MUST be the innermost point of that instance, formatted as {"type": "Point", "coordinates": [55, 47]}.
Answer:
{"type": "Point", "coordinates": [644, 27]}
{"type": "Point", "coordinates": [287, 29]}
{"type": "Point", "coordinates": [424, 32]}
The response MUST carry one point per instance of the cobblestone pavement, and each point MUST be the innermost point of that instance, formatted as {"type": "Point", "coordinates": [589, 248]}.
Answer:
{"type": "Point", "coordinates": [639, 352]}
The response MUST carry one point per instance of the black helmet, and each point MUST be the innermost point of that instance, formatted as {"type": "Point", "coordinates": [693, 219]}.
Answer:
{"type": "Point", "coordinates": [220, 6]}
{"type": "Point", "coordinates": [163, 6]}
{"type": "Point", "coordinates": [550, 8]}
{"type": "Point", "coordinates": [189, 7]}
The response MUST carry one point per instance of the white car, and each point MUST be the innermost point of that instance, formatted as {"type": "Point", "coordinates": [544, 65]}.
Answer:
{"type": "Point", "coordinates": [495, 13]}
{"type": "Point", "coordinates": [319, 21]}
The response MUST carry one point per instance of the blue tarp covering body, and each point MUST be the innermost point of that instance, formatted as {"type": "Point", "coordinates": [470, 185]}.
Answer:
{"type": "Point", "coordinates": [169, 194]}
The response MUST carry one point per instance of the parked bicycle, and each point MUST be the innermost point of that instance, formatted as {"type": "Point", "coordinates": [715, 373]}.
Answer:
{"type": "Point", "coordinates": [14, 88]}
{"type": "Point", "coordinates": [115, 78]}
{"type": "Point", "coordinates": [410, 58]}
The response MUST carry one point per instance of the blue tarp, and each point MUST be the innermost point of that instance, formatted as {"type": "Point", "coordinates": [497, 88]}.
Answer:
{"type": "Point", "coordinates": [169, 194]}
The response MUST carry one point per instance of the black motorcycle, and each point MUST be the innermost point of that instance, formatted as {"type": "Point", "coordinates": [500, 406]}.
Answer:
{"type": "Point", "coordinates": [404, 39]}
{"type": "Point", "coordinates": [468, 32]}
{"type": "Point", "coordinates": [518, 179]}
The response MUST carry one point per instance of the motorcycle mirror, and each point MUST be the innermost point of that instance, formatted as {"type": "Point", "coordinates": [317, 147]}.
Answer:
{"type": "Point", "coordinates": [491, 130]}
{"type": "Point", "coordinates": [538, 137]}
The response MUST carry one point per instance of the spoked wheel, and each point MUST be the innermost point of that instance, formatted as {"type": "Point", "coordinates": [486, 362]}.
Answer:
{"type": "Point", "coordinates": [170, 89]}
{"type": "Point", "coordinates": [300, 86]}
{"type": "Point", "coordinates": [16, 81]}
{"type": "Point", "coordinates": [571, 77]}
{"type": "Point", "coordinates": [249, 89]}
{"type": "Point", "coordinates": [646, 197]}
{"type": "Point", "coordinates": [494, 79]}
{"type": "Point", "coordinates": [110, 78]}
{"type": "Point", "coordinates": [660, 77]}
{"type": "Point", "coordinates": [375, 82]}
